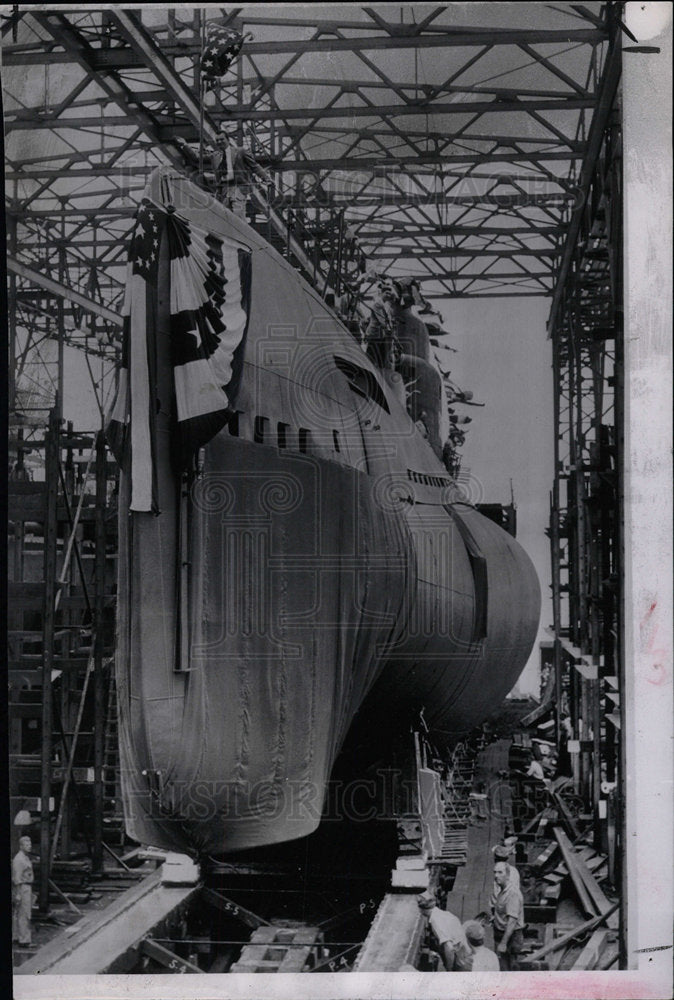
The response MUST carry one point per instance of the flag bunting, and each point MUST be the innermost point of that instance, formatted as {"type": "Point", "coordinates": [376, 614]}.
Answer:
{"type": "Point", "coordinates": [221, 47]}
{"type": "Point", "coordinates": [208, 280]}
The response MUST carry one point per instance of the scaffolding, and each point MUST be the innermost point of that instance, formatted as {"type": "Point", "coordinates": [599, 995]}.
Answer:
{"type": "Point", "coordinates": [61, 634]}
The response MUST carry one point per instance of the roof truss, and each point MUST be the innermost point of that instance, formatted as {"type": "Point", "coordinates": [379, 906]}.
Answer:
{"type": "Point", "coordinates": [453, 152]}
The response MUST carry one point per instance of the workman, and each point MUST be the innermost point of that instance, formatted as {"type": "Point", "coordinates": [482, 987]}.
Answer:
{"type": "Point", "coordinates": [235, 169]}
{"type": "Point", "coordinates": [504, 852]}
{"type": "Point", "coordinates": [507, 908]}
{"type": "Point", "coordinates": [535, 770]}
{"type": "Point", "coordinates": [379, 329]}
{"type": "Point", "coordinates": [448, 934]}
{"type": "Point", "coordinates": [484, 959]}
{"type": "Point", "coordinates": [22, 893]}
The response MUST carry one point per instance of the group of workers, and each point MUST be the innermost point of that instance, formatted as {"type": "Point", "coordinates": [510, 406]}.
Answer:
{"type": "Point", "coordinates": [462, 946]}
{"type": "Point", "coordinates": [377, 332]}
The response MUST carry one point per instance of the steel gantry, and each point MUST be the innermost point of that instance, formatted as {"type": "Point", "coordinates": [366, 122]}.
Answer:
{"type": "Point", "coordinates": [452, 150]}
{"type": "Point", "coordinates": [483, 159]}
{"type": "Point", "coordinates": [586, 326]}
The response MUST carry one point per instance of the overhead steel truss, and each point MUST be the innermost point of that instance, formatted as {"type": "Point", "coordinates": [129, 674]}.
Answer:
{"type": "Point", "coordinates": [454, 153]}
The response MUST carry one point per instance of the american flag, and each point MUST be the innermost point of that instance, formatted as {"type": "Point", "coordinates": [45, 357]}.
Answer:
{"type": "Point", "coordinates": [207, 279]}
{"type": "Point", "coordinates": [221, 48]}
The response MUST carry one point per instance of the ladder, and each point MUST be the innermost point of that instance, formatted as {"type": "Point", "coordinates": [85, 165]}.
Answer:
{"type": "Point", "coordinates": [114, 833]}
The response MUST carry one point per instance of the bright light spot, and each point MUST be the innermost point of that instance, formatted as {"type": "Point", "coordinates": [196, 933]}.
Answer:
{"type": "Point", "coordinates": [647, 20]}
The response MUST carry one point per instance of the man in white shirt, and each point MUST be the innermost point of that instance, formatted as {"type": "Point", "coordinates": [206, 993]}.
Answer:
{"type": "Point", "coordinates": [507, 907]}
{"type": "Point", "coordinates": [448, 933]}
{"type": "Point", "coordinates": [504, 852]}
{"type": "Point", "coordinates": [22, 893]}
{"type": "Point", "coordinates": [536, 770]}
{"type": "Point", "coordinates": [484, 959]}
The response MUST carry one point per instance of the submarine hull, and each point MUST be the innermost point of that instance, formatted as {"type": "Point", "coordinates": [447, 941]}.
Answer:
{"type": "Point", "coordinates": [321, 563]}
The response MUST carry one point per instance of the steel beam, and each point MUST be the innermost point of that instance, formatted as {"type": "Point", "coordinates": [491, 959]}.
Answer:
{"type": "Point", "coordinates": [59, 289]}
{"type": "Point", "coordinates": [448, 37]}
{"type": "Point", "coordinates": [48, 620]}
{"type": "Point", "coordinates": [449, 251]}
{"type": "Point", "coordinates": [609, 86]}
{"type": "Point", "coordinates": [412, 228]}
{"type": "Point", "coordinates": [407, 110]}
{"type": "Point", "coordinates": [83, 53]}
{"type": "Point", "coordinates": [27, 120]}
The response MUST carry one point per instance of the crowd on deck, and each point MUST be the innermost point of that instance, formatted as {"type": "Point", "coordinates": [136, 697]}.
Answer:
{"type": "Point", "coordinates": [379, 327]}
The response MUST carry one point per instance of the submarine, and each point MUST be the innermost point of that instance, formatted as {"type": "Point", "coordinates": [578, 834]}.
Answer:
{"type": "Point", "coordinates": [293, 551]}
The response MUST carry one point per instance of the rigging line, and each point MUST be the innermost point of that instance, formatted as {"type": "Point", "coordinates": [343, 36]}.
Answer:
{"type": "Point", "coordinates": [100, 404]}
{"type": "Point", "coordinates": [532, 62]}
{"type": "Point", "coordinates": [45, 367]}
{"type": "Point", "coordinates": [560, 10]}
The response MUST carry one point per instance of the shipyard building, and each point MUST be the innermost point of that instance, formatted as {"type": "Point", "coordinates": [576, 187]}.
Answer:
{"type": "Point", "coordinates": [339, 504]}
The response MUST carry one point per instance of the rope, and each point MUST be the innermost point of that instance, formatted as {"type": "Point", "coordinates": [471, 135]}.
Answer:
{"type": "Point", "coordinates": [71, 757]}
{"type": "Point", "coordinates": [71, 539]}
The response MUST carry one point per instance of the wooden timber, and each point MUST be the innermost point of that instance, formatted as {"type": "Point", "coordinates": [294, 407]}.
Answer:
{"type": "Point", "coordinates": [561, 942]}
{"type": "Point", "coordinates": [571, 862]}
{"type": "Point", "coordinates": [593, 951]}
{"type": "Point", "coordinates": [395, 936]}
{"type": "Point", "coordinates": [589, 892]}
{"type": "Point", "coordinates": [110, 941]}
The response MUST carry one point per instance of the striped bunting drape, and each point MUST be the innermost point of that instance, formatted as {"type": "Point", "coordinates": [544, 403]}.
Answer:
{"type": "Point", "coordinates": [209, 293]}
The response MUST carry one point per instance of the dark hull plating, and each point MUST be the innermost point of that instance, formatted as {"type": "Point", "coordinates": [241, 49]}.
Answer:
{"type": "Point", "coordinates": [331, 564]}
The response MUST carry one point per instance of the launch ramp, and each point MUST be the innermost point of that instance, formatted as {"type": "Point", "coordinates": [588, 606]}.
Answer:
{"type": "Point", "coordinates": [111, 941]}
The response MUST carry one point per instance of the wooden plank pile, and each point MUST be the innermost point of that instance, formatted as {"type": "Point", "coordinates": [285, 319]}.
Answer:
{"type": "Point", "coordinates": [559, 939]}
{"type": "Point", "coordinates": [561, 866]}
{"type": "Point", "coordinates": [586, 884]}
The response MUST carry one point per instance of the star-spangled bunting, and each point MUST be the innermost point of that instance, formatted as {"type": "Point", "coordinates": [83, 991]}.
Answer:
{"type": "Point", "coordinates": [144, 250]}
{"type": "Point", "coordinates": [221, 48]}
{"type": "Point", "coordinates": [206, 280]}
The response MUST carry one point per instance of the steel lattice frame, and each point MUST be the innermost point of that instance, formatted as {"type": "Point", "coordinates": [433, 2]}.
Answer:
{"type": "Point", "coordinates": [425, 173]}
{"type": "Point", "coordinates": [586, 516]}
